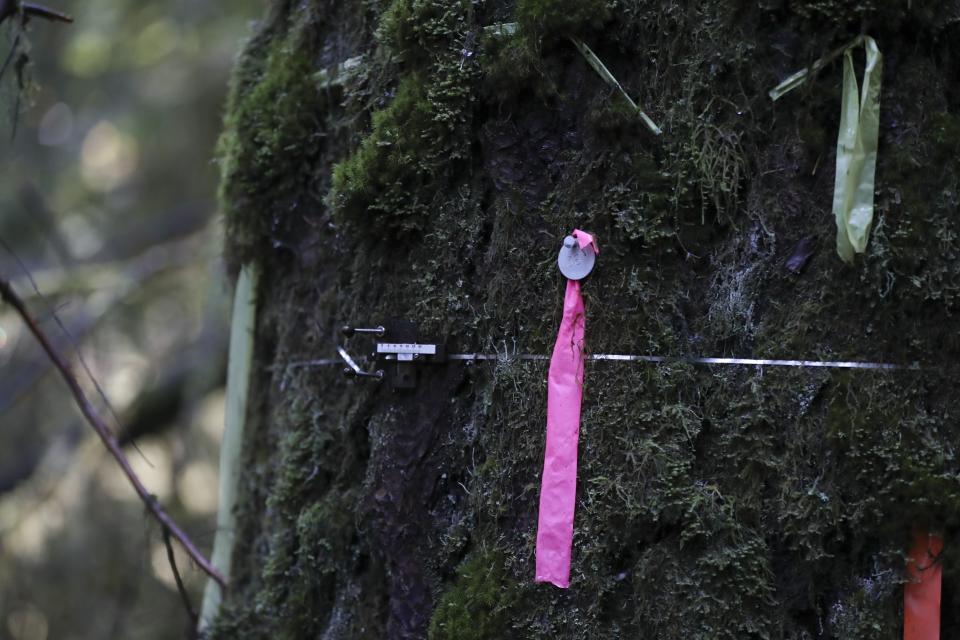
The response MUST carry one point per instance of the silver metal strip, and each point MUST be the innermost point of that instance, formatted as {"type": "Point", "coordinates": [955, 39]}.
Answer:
{"type": "Point", "coordinates": [832, 364]}
{"type": "Point", "coordinates": [618, 357]}
{"type": "Point", "coordinates": [472, 357]}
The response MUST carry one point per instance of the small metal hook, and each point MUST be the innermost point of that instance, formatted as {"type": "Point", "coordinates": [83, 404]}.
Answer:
{"type": "Point", "coordinates": [376, 375]}
{"type": "Point", "coordinates": [349, 331]}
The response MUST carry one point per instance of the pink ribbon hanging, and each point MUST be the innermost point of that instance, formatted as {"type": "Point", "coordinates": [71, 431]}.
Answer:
{"type": "Point", "coordinates": [558, 489]}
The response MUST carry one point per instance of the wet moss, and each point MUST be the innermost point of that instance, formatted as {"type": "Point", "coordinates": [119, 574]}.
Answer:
{"type": "Point", "coordinates": [512, 67]}
{"type": "Point", "coordinates": [413, 140]}
{"type": "Point", "coordinates": [417, 31]}
{"type": "Point", "coordinates": [561, 18]}
{"type": "Point", "coordinates": [917, 206]}
{"type": "Point", "coordinates": [377, 181]}
{"type": "Point", "coordinates": [886, 16]}
{"type": "Point", "coordinates": [896, 461]}
{"type": "Point", "coordinates": [478, 604]}
{"type": "Point", "coordinates": [268, 148]}
{"type": "Point", "coordinates": [838, 11]}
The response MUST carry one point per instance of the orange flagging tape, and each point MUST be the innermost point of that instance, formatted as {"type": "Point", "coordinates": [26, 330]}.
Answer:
{"type": "Point", "coordinates": [921, 594]}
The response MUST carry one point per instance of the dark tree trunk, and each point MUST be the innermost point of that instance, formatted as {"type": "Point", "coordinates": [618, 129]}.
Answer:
{"type": "Point", "coordinates": [393, 160]}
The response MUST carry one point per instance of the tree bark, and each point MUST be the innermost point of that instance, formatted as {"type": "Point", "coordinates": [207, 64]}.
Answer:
{"type": "Point", "coordinates": [396, 160]}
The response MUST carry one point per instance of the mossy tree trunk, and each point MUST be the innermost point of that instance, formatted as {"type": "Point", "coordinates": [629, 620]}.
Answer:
{"type": "Point", "coordinates": [392, 159]}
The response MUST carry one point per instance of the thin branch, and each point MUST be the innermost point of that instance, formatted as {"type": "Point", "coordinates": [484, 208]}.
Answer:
{"type": "Point", "coordinates": [123, 275]}
{"type": "Point", "coordinates": [76, 346]}
{"type": "Point", "coordinates": [27, 10]}
{"type": "Point", "coordinates": [171, 558]}
{"type": "Point", "coordinates": [13, 52]}
{"type": "Point", "coordinates": [40, 11]}
{"type": "Point", "coordinates": [63, 328]}
{"type": "Point", "coordinates": [104, 432]}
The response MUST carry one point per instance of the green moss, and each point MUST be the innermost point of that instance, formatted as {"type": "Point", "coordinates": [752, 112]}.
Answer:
{"type": "Point", "coordinates": [895, 458]}
{"type": "Point", "coordinates": [559, 18]}
{"type": "Point", "coordinates": [269, 144]}
{"type": "Point", "coordinates": [944, 132]}
{"type": "Point", "coordinates": [477, 605]}
{"type": "Point", "coordinates": [864, 610]}
{"type": "Point", "coordinates": [416, 141]}
{"type": "Point", "coordinates": [841, 12]}
{"type": "Point", "coordinates": [916, 252]}
{"type": "Point", "coordinates": [637, 196]}
{"type": "Point", "coordinates": [511, 67]}
{"type": "Point", "coordinates": [416, 30]}
{"type": "Point", "coordinates": [833, 10]}
{"type": "Point", "coordinates": [889, 15]}
{"type": "Point", "coordinates": [394, 163]}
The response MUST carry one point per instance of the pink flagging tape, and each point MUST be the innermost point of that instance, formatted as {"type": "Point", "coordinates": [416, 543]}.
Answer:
{"type": "Point", "coordinates": [558, 489]}
{"type": "Point", "coordinates": [921, 593]}
{"type": "Point", "coordinates": [585, 240]}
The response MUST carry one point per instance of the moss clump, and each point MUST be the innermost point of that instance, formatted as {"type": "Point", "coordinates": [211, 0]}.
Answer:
{"type": "Point", "coordinates": [833, 10]}
{"type": "Point", "coordinates": [636, 194]}
{"type": "Point", "coordinates": [559, 18]}
{"type": "Point", "coordinates": [384, 176]}
{"type": "Point", "coordinates": [415, 141]}
{"type": "Point", "coordinates": [268, 146]}
{"type": "Point", "coordinates": [416, 30]}
{"type": "Point", "coordinates": [477, 606]}
{"type": "Point", "coordinates": [895, 459]}
{"type": "Point", "coordinates": [886, 14]}
{"type": "Point", "coordinates": [915, 254]}
{"type": "Point", "coordinates": [863, 610]}
{"type": "Point", "coordinates": [511, 68]}
{"type": "Point", "coordinates": [839, 12]}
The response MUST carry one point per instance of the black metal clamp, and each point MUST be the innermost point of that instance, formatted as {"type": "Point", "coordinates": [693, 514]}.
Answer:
{"type": "Point", "coordinates": [399, 350]}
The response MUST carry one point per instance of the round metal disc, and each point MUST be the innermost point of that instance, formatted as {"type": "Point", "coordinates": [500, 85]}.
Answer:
{"type": "Point", "coordinates": [575, 263]}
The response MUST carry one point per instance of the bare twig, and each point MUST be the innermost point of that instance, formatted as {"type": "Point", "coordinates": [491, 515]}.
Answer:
{"type": "Point", "coordinates": [176, 576]}
{"type": "Point", "coordinates": [11, 55]}
{"type": "Point", "coordinates": [66, 332]}
{"type": "Point", "coordinates": [103, 431]}
{"type": "Point", "coordinates": [120, 275]}
{"type": "Point", "coordinates": [9, 8]}
{"type": "Point", "coordinates": [40, 11]}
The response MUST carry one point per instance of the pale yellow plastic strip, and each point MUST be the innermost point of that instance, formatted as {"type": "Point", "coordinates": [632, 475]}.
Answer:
{"type": "Point", "coordinates": [795, 80]}
{"type": "Point", "coordinates": [242, 327]}
{"type": "Point", "coordinates": [604, 73]}
{"type": "Point", "coordinates": [511, 28]}
{"type": "Point", "coordinates": [856, 143]}
{"type": "Point", "coordinates": [857, 153]}
{"type": "Point", "coordinates": [327, 78]}
{"type": "Point", "coordinates": [502, 29]}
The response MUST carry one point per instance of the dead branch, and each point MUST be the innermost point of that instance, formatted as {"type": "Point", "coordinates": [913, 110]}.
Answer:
{"type": "Point", "coordinates": [103, 431]}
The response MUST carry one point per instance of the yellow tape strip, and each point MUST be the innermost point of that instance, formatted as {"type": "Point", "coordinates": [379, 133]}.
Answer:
{"type": "Point", "coordinates": [856, 143]}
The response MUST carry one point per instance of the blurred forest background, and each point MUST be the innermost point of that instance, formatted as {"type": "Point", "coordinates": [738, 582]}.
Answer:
{"type": "Point", "coordinates": [107, 196]}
